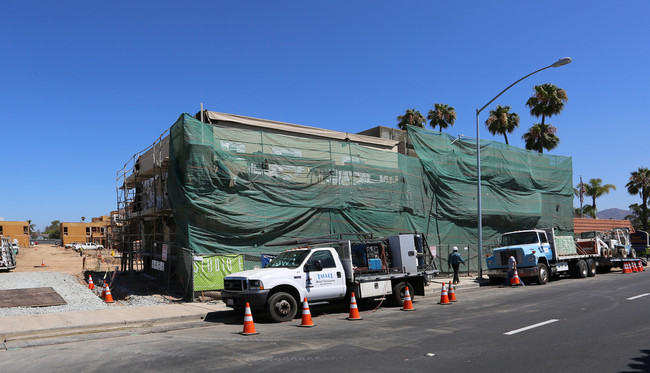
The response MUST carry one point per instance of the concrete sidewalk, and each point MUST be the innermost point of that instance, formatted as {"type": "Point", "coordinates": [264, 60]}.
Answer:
{"type": "Point", "coordinates": [67, 323]}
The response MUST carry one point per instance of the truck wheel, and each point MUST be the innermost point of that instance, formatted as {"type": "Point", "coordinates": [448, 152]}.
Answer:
{"type": "Point", "coordinates": [591, 267]}
{"type": "Point", "coordinates": [281, 307]}
{"type": "Point", "coordinates": [580, 269]}
{"type": "Point", "coordinates": [542, 274]}
{"type": "Point", "coordinates": [398, 293]}
{"type": "Point", "coordinates": [633, 254]}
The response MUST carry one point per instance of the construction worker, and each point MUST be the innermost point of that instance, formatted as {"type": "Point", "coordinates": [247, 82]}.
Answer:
{"type": "Point", "coordinates": [454, 261]}
{"type": "Point", "coordinates": [512, 268]}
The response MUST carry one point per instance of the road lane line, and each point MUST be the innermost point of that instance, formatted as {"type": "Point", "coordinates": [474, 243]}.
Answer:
{"type": "Point", "coordinates": [638, 296]}
{"type": "Point", "coordinates": [531, 327]}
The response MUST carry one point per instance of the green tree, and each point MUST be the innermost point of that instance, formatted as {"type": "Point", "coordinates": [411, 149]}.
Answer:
{"type": "Point", "coordinates": [587, 210]}
{"type": "Point", "coordinates": [635, 217]}
{"type": "Point", "coordinates": [502, 121]}
{"type": "Point", "coordinates": [639, 183]}
{"type": "Point", "coordinates": [54, 229]}
{"type": "Point", "coordinates": [595, 189]}
{"type": "Point", "coordinates": [443, 116]}
{"type": "Point", "coordinates": [548, 100]}
{"type": "Point", "coordinates": [411, 117]}
{"type": "Point", "coordinates": [541, 137]}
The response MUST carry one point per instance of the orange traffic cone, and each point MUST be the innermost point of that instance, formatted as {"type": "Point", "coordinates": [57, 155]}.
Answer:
{"type": "Point", "coordinates": [514, 281]}
{"type": "Point", "coordinates": [641, 266]}
{"type": "Point", "coordinates": [91, 285]}
{"type": "Point", "coordinates": [626, 269]}
{"type": "Point", "coordinates": [104, 290]}
{"type": "Point", "coordinates": [108, 298]}
{"type": "Point", "coordinates": [306, 315]}
{"type": "Point", "coordinates": [354, 311]}
{"type": "Point", "coordinates": [42, 262]}
{"type": "Point", "coordinates": [408, 304]}
{"type": "Point", "coordinates": [452, 293]}
{"type": "Point", "coordinates": [444, 298]}
{"type": "Point", "coordinates": [634, 267]}
{"type": "Point", "coordinates": [249, 325]}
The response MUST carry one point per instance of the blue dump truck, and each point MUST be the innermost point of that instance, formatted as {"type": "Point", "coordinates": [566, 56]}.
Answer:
{"type": "Point", "coordinates": [540, 254]}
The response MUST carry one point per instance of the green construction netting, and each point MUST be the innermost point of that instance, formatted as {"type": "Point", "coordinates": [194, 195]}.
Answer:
{"type": "Point", "coordinates": [235, 190]}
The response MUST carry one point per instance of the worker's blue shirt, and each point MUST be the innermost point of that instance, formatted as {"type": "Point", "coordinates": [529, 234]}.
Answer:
{"type": "Point", "coordinates": [455, 258]}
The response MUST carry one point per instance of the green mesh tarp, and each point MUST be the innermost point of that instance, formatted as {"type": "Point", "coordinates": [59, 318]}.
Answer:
{"type": "Point", "coordinates": [235, 190]}
{"type": "Point", "coordinates": [520, 189]}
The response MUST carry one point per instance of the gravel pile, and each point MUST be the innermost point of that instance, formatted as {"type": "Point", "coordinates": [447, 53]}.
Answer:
{"type": "Point", "coordinates": [77, 296]}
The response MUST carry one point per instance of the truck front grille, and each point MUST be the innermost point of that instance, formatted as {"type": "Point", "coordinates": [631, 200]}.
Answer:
{"type": "Point", "coordinates": [505, 255]}
{"type": "Point", "coordinates": [234, 285]}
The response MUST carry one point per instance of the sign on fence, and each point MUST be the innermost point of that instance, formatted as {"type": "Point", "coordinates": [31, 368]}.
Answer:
{"type": "Point", "coordinates": [210, 271]}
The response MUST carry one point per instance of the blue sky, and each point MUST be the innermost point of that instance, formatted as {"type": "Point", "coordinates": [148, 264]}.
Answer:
{"type": "Point", "coordinates": [85, 85]}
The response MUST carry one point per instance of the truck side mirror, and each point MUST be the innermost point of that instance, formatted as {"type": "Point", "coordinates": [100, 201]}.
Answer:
{"type": "Point", "coordinates": [315, 266]}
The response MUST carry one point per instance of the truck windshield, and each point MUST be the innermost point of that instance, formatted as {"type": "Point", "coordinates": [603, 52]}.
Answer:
{"type": "Point", "coordinates": [288, 259]}
{"type": "Point", "coordinates": [520, 238]}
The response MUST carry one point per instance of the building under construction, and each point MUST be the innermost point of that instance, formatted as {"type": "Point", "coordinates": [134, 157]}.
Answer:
{"type": "Point", "coordinates": [215, 190]}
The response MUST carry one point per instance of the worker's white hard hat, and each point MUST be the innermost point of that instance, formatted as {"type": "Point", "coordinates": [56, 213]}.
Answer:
{"type": "Point", "coordinates": [455, 248]}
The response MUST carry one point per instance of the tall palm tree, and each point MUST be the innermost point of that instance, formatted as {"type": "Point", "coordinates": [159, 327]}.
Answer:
{"type": "Point", "coordinates": [502, 121]}
{"type": "Point", "coordinates": [412, 117]}
{"type": "Point", "coordinates": [548, 100]}
{"type": "Point", "coordinates": [541, 137]}
{"type": "Point", "coordinates": [443, 116]}
{"type": "Point", "coordinates": [640, 184]}
{"type": "Point", "coordinates": [595, 189]}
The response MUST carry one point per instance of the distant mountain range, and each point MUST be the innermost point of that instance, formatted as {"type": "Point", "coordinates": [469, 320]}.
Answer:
{"type": "Point", "coordinates": [617, 214]}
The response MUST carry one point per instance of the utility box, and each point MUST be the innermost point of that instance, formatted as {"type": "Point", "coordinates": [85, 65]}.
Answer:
{"type": "Point", "coordinates": [403, 252]}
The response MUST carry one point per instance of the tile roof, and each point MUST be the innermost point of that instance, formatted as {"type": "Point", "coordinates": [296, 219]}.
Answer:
{"type": "Point", "coordinates": [585, 225]}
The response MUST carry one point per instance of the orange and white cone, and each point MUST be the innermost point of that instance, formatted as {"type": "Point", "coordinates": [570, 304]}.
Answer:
{"type": "Point", "coordinates": [249, 325]}
{"type": "Point", "coordinates": [104, 290]}
{"type": "Point", "coordinates": [91, 285]}
{"type": "Point", "coordinates": [306, 315]}
{"type": "Point", "coordinates": [354, 310]}
{"type": "Point", "coordinates": [108, 298]}
{"type": "Point", "coordinates": [515, 281]}
{"type": "Point", "coordinates": [42, 262]}
{"type": "Point", "coordinates": [634, 267]}
{"type": "Point", "coordinates": [452, 293]}
{"type": "Point", "coordinates": [641, 269]}
{"type": "Point", "coordinates": [408, 303]}
{"type": "Point", "coordinates": [626, 269]}
{"type": "Point", "coordinates": [444, 298]}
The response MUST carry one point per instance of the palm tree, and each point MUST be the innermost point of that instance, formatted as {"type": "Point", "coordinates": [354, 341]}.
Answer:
{"type": "Point", "coordinates": [412, 117]}
{"type": "Point", "coordinates": [595, 189]}
{"type": "Point", "coordinates": [547, 101]}
{"type": "Point", "coordinates": [443, 116]}
{"type": "Point", "coordinates": [502, 121]}
{"type": "Point", "coordinates": [640, 183]}
{"type": "Point", "coordinates": [587, 210]}
{"type": "Point", "coordinates": [541, 137]}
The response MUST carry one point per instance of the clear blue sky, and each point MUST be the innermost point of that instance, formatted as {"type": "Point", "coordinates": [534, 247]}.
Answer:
{"type": "Point", "coordinates": [85, 85]}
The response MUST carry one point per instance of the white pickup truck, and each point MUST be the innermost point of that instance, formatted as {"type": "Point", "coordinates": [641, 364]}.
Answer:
{"type": "Point", "coordinates": [329, 269]}
{"type": "Point", "coordinates": [88, 246]}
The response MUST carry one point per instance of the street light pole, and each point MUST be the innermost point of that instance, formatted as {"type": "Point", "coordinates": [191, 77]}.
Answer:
{"type": "Point", "coordinates": [559, 63]}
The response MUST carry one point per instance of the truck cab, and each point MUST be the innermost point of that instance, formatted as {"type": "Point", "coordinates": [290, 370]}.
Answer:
{"type": "Point", "coordinates": [532, 251]}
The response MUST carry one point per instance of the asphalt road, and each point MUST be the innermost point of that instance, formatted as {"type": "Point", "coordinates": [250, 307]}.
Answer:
{"type": "Point", "coordinates": [579, 325]}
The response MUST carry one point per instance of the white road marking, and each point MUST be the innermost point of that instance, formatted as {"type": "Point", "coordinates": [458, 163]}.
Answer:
{"type": "Point", "coordinates": [531, 327]}
{"type": "Point", "coordinates": [638, 296]}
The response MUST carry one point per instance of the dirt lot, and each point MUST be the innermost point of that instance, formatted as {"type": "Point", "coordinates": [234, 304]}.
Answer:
{"type": "Point", "coordinates": [58, 259]}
